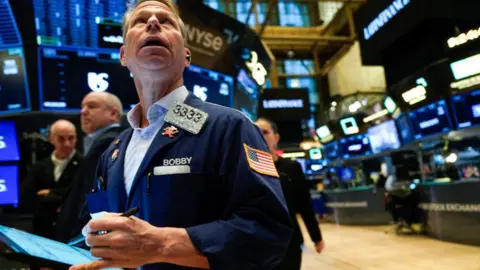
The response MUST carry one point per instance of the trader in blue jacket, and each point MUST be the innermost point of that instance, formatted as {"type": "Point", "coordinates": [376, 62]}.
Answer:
{"type": "Point", "coordinates": [201, 175]}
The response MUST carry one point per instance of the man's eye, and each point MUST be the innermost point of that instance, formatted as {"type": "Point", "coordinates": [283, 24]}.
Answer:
{"type": "Point", "coordinates": [166, 21]}
{"type": "Point", "coordinates": [137, 21]}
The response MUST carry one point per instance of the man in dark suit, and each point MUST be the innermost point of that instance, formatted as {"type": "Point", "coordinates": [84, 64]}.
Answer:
{"type": "Point", "coordinates": [100, 120]}
{"type": "Point", "coordinates": [297, 195]}
{"type": "Point", "coordinates": [48, 180]}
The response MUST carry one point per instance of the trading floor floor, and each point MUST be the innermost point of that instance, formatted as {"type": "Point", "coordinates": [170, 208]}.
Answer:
{"type": "Point", "coordinates": [352, 248]}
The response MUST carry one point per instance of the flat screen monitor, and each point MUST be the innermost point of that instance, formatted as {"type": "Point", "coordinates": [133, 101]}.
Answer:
{"type": "Point", "coordinates": [331, 151]}
{"type": "Point", "coordinates": [355, 146]}
{"type": "Point", "coordinates": [209, 85]}
{"type": "Point", "coordinates": [246, 95]}
{"type": "Point", "coordinates": [384, 137]}
{"type": "Point", "coordinates": [67, 75]}
{"type": "Point", "coordinates": [346, 174]}
{"type": "Point", "coordinates": [430, 120]}
{"type": "Point", "coordinates": [8, 142]}
{"type": "Point", "coordinates": [14, 93]}
{"type": "Point", "coordinates": [404, 128]}
{"type": "Point", "coordinates": [466, 109]}
{"type": "Point", "coordinates": [324, 134]}
{"type": "Point", "coordinates": [8, 185]}
{"type": "Point", "coordinates": [285, 104]}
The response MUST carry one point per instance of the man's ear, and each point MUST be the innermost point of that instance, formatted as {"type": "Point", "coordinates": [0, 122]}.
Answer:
{"type": "Point", "coordinates": [123, 59]}
{"type": "Point", "coordinates": [188, 58]}
{"type": "Point", "coordinates": [277, 138]}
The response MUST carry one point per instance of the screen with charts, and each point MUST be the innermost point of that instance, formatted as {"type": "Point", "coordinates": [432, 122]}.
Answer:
{"type": "Point", "coordinates": [354, 146]}
{"type": "Point", "coordinates": [209, 85]}
{"type": "Point", "coordinates": [430, 120]}
{"type": "Point", "coordinates": [8, 185]}
{"type": "Point", "coordinates": [466, 108]}
{"type": "Point", "coordinates": [8, 142]}
{"type": "Point", "coordinates": [384, 137]}
{"type": "Point", "coordinates": [14, 95]}
{"type": "Point", "coordinates": [246, 95]}
{"type": "Point", "coordinates": [331, 151]}
{"type": "Point", "coordinates": [67, 75]}
{"type": "Point", "coordinates": [78, 52]}
{"type": "Point", "coordinates": [36, 246]}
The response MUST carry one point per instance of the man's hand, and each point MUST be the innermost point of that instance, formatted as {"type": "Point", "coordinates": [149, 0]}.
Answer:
{"type": "Point", "coordinates": [43, 192]}
{"type": "Point", "coordinates": [319, 246]}
{"type": "Point", "coordinates": [132, 242]}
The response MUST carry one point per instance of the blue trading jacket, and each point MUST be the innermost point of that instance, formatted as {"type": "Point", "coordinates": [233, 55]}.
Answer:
{"type": "Point", "coordinates": [236, 216]}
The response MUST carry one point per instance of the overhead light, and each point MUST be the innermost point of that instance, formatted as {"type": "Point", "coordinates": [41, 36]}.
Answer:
{"type": "Point", "coordinates": [390, 104]}
{"type": "Point", "coordinates": [375, 116]}
{"type": "Point", "coordinates": [354, 107]}
{"type": "Point", "coordinates": [294, 155]}
{"type": "Point", "coordinates": [415, 94]}
{"type": "Point", "coordinates": [463, 38]}
{"type": "Point", "coordinates": [349, 126]}
{"type": "Point", "coordinates": [422, 81]}
{"type": "Point", "coordinates": [452, 158]}
{"type": "Point", "coordinates": [467, 83]}
{"type": "Point", "coordinates": [334, 103]}
{"type": "Point", "coordinates": [332, 109]}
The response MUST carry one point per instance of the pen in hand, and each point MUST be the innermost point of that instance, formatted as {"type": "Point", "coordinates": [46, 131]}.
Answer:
{"type": "Point", "coordinates": [81, 238]}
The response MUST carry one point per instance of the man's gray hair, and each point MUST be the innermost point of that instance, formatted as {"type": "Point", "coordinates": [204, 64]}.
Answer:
{"type": "Point", "coordinates": [135, 3]}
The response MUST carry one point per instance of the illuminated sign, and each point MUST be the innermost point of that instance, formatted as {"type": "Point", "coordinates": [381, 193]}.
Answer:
{"type": "Point", "coordinates": [257, 69]}
{"type": "Point", "coordinates": [97, 82]}
{"type": "Point", "coordinates": [466, 67]}
{"type": "Point", "coordinates": [315, 154]}
{"type": "Point", "coordinates": [467, 83]}
{"type": "Point", "coordinates": [324, 133]}
{"type": "Point", "coordinates": [390, 104]}
{"type": "Point", "coordinates": [283, 103]}
{"type": "Point", "coordinates": [384, 17]}
{"type": "Point", "coordinates": [349, 126]}
{"type": "Point", "coordinates": [415, 95]}
{"type": "Point", "coordinates": [375, 116]}
{"type": "Point", "coordinates": [463, 38]}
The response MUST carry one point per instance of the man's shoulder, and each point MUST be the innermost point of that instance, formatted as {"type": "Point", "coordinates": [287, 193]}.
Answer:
{"type": "Point", "coordinates": [219, 113]}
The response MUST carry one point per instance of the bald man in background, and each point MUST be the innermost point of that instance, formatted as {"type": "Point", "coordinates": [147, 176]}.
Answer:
{"type": "Point", "coordinates": [100, 120]}
{"type": "Point", "coordinates": [49, 179]}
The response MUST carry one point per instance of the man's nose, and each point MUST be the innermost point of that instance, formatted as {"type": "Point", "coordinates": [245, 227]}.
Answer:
{"type": "Point", "coordinates": [153, 24]}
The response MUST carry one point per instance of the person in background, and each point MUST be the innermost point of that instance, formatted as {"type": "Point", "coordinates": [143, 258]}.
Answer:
{"type": "Point", "coordinates": [100, 120]}
{"type": "Point", "coordinates": [297, 196]}
{"type": "Point", "coordinates": [48, 180]}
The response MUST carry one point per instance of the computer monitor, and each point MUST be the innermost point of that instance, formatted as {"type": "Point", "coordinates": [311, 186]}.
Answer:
{"type": "Point", "coordinates": [209, 85]}
{"type": "Point", "coordinates": [355, 146]}
{"type": "Point", "coordinates": [8, 142]}
{"type": "Point", "coordinates": [14, 93]}
{"type": "Point", "coordinates": [466, 109]}
{"type": "Point", "coordinates": [78, 52]}
{"type": "Point", "coordinates": [8, 185]}
{"type": "Point", "coordinates": [384, 137]}
{"type": "Point", "coordinates": [246, 95]}
{"type": "Point", "coordinates": [430, 120]}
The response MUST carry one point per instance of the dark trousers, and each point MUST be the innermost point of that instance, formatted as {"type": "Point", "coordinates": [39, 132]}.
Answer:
{"type": "Point", "coordinates": [292, 259]}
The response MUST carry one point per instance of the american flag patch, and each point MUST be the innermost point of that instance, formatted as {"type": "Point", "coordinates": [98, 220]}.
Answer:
{"type": "Point", "coordinates": [261, 162]}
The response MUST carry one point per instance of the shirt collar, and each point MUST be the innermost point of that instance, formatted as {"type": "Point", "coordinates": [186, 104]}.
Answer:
{"type": "Point", "coordinates": [96, 133]}
{"type": "Point", "coordinates": [56, 160]}
{"type": "Point", "coordinates": [158, 109]}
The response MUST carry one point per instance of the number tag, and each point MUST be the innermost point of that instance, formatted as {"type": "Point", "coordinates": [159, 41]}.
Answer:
{"type": "Point", "coordinates": [186, 117]}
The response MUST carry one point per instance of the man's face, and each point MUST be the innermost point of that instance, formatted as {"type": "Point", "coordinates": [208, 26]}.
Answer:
{"type": "Point", "coordinates": [95, 113]}
{"type": "Point", "coordinates": [153, 41]}
{"type": "Point", "coordinates": [64, 139]}
{"type": "Point", "coordinates": [270, 137]}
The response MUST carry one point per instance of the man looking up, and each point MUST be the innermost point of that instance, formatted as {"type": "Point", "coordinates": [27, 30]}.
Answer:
{"type": "Point", "coordinates": [201, 175]}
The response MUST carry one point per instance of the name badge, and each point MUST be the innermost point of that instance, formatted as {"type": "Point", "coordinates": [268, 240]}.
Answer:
{"type": "Point", "coordinates": [186, 117]}
{"type": "Point", "coordinates": [168, 170]}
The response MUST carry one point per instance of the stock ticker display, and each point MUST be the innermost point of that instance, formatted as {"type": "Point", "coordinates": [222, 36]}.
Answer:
{"type": "Point", "coordinates": [14, 95]}
{"type": "Point", "coordinates": [78, 52]}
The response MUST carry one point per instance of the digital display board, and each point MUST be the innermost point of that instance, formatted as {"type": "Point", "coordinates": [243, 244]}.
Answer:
{"type": "Point", "coordinates": [246, 95]}
{"type": "Point", "coordinates": [285, 104]}
{"type": "Point", "coordinates": [466, 109]}
{"type": "Point", "coordinates": [67, 75]}
{"type": "Point", "coordinates": [354, 146]}
{"type": "Point", "coordinates": [209, 85]}
{"type": "Point", "coordinates": [430, 120]}
{"type": "Point", "coordinates": [8, 185]}
{"type": "Point", "coordinates": [8, 142]}
{"type": "Point", "coordinates": [78, 52]}
{"type": "Point", "coordinates": [14, 93]}
{"type": "Point", "coordinates": [384, 137]}
{"type": "Point", "coordinates": [331, 151]}
{"type": "Point", "coordinates": [404, 128]}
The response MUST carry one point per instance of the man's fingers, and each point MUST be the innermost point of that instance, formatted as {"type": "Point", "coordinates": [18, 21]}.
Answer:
{"type": "Point", "coordinates": [112, 239]}
{"type": "Point", "coordinates": [100, 264]}
{"type": "Point", "coordinates": [110, 223]}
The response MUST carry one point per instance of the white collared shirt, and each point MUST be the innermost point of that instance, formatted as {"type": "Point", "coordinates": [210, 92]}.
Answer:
{"type": "Point", "coordinates": [59, 165]}
{"type": "Point", "coordinates": [142, 138]}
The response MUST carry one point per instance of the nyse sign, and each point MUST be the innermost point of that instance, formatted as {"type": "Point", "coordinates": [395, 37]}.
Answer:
{"type": "Point", "coordinates": [204, 41]}
{"type": "Point", "coordinates": [257, 69]}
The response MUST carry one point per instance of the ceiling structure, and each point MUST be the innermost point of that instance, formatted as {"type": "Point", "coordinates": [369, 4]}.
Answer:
{"type": "Point", "coordinates": [327, 44]}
